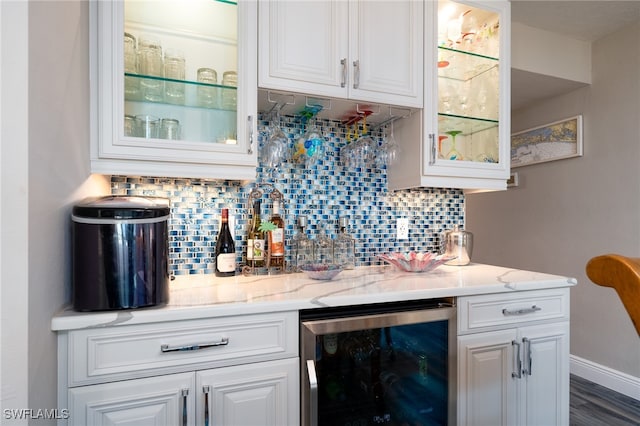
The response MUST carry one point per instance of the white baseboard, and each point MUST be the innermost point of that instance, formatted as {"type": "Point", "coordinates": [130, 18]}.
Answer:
{"type": "Point", "coordinates": [615, 380]}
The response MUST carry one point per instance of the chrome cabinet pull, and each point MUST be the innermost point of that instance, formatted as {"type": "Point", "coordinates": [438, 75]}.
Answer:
{"type": "Point", "coordinates": [523, 311]}
{"type": "Point", "coordinates": [197, 346]}
{"type": "Point", "coordinates": [517, 361]}
{"type": "Point", "coordinates": [343, 62]}
{"type": "Point", "coordinates": [356, 73]}
{"type": "Point", "coordinates": [184, 393]}
{"type": "Point", "coordinates": [313, 393]}
{"type": "Point", "coordinates": [432, 155]}
{"type": "Point", "coordinates": [526, 348]}
{"type": "Point", "coordinates": [206, 390]}
{"type": "Point", "coordinates": [250, 124]}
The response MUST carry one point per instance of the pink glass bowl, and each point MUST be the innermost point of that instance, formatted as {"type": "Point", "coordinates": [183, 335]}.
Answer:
{"type": "Point", "coordinates": [415, 261]}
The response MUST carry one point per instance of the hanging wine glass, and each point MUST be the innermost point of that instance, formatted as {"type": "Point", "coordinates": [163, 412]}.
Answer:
{"type": "Point", "coordinates": [453, 153]}
{"type": "Point", "coordinates": [347, 152]}
{"type": "Point", "coordinates": [365, 147]}
{"type": "Point", "coordinates": [388, 152]}
{"type": "Point", "coordinates": [275, 149]}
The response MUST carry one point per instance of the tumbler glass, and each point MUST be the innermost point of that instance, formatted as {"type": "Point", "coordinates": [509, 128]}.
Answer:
{"type": "Point", "coordinates": [174, 69]}
{"type": "Point", "coordinates": [229, 96]}
{"type": "Point", "coordinates": [207, 96]}
{"type": "Point", "coordinates": [170, 129]}
{"type": "Point", "coordinates": [150, 63]}
{"type": "Point", "coordinates": [147, 126]}
{"type": "Point", "coordinates": [131, 84]}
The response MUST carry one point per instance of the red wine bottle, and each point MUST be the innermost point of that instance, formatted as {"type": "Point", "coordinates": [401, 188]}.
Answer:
{"type": "Point", "coordinates": [225, 249]}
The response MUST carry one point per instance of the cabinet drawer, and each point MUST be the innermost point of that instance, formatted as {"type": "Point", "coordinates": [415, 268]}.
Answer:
{"type": "Point", "coordinates": [497, 310]}
{"type": "Point", "coordinates": [117, 353]}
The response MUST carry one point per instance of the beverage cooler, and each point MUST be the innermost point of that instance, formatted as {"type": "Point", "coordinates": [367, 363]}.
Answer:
{"type": "Point", "coordinates": [386, 364]}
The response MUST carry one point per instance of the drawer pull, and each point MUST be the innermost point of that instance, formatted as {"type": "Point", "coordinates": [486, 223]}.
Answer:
{"type": "Point", "coordinates": [166, 348]}
{"type": "Point", "coordinates": [522, 311]}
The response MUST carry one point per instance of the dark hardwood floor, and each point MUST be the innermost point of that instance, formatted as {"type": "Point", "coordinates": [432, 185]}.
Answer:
{"type": "Point", "coordinates": [595, 405]}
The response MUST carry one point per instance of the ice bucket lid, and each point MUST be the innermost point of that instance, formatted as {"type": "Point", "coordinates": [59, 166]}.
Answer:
{"type": "Point", "coordinates": [122, 207]}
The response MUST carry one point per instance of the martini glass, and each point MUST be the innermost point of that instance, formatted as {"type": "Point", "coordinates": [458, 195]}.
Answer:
{"type": "Point", "coordinates": [454, 154]}
{"type": "Point", "coordinates": [440, 139]}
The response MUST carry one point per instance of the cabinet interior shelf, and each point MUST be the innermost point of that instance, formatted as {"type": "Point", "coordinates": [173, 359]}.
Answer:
{"type": "Point", "coordinates": [462, 65]}
{"type": "Point", "coordinates": [468, 125]}
{"type": "Point", "coordinates": [193, 92]}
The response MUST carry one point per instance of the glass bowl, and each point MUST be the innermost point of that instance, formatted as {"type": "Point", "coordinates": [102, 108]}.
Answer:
{"type": "Point", "coordinates": [415, 261]}
{"type": "Point", "coordinates": [321, 271]}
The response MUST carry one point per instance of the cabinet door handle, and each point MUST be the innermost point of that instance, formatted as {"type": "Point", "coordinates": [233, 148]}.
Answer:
{"type": "Point", "coordinates": [313, 393]}
{"type": "Point", "coordinates": [523, 311]}
{"type": "Point", "coordinates": [516, 360]}
{"type": "Point", "coordinates": [184, 393]}
{"type": "Point", "coordinates": [197, 346]}
{"type": "Point", "coordinates": [343, 62]}
{"type": "Point", "coordinates": [526, 349]}
{"type": "Point", "coordinates": [250, 131]}
{"type": "Point", "coordinates": [206, 390]}
{"type": "Point", "coordinates": [432, 149]}
{"type": "Point", "coordinates": [356, 73]}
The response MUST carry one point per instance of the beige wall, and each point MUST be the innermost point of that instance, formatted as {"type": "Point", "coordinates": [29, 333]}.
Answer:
{"type": "Point", "coordinates": [565, 212]}
{"type": "Point", "coordinates": [45, 160]}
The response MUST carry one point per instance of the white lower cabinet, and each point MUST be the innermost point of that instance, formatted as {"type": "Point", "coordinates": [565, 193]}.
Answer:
{"type": "Point", "coordinates": [516, 371]}
{"type": "Point", "coordinates": [237, 371]}
{"type": "Point", "coordinates": [261, 394]}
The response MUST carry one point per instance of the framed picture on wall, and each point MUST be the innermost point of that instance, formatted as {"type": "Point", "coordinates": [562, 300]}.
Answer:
{"type": "Point", "coordinates": [554, 141]}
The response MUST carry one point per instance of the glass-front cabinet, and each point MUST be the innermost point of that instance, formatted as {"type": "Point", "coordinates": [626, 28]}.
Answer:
{"type": "Point", "coordinates": [463, 132]}
{"type": "Point", "coordinates": [174, 88]}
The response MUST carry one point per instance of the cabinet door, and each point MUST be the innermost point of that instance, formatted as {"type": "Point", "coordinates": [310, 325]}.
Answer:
{"type": "Point", "coordinates": [303, 46]}
{"type": "Point", "coordinates": [164, 400]}
{"type": "Point", "coordinates": [486, 387]}
{"type": "Point", "coordinates": [260, 394]}
{"type": "Point", "coordinates": [153, 112]}
{"type": "Point", "coordinates": [360, 50]}
{"type": "Point", "coordinates": [463, 135]}
{"type": "Point", "coordinates": [385, 49]}
{"type": "Point", "coordinates": [545, 397]}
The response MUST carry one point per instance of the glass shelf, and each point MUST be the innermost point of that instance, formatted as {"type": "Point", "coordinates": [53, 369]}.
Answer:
{"type": "Point", "coordinates": [195, 94]}
{"type": "Point", "coordinates": [468, 125]}
{"type": "Point", "coordinates": [463, 66]}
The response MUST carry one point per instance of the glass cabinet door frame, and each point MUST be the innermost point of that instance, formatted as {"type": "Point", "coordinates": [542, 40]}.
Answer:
{"type": "Point", "coordinates": [432, 164]}
{"type": "Point", "coordinates": [107, 99]}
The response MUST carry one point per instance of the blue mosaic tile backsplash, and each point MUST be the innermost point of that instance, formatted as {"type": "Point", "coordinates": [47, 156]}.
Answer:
{"type": "Point", "coordinates": [322, 191]}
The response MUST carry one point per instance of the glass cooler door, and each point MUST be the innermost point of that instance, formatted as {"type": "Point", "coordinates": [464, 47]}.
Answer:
{"type": "Point", "coordinates": [379, 369]}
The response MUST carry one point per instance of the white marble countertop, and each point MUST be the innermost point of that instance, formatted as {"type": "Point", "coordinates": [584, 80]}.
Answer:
{"type": "Point", "coordinates": [206, 296]}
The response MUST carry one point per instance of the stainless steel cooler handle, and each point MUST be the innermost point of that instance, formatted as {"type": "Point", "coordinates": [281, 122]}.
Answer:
{"type": "Point", "coordinates": [196, 346]}
{"type": "Point", "coordinates": [313, 393]}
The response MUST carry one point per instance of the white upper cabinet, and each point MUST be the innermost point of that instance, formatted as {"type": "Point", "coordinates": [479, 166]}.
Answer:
{"type": "Point", "coordinates": [370, 51]}
{"type": "Point", "coordinates": [174, 88]}
{"type": "Point", "coordinates": [461, 139]}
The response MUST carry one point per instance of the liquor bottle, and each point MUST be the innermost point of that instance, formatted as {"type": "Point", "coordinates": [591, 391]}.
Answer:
{"type": "Point", "coordinates": [225, 249]}
{"type": "Point", "coordinates": [276, 237]}
{"type": "Point", "coordinates": [302, 246]}
{"type": "Point", "coordinates": [255, 241]}
{"type": "Point", "coordinates": [323, 246]}
{"type": "Point", "coordinates": [344, 247]}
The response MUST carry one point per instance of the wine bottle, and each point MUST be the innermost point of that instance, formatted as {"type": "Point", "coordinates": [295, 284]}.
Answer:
{"type": "Point", "coordinates": [255, 242]}
{"type": "Point", "coordinates": [276, 237]}
{"type": "Point", "coordinates": [225, 249]}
